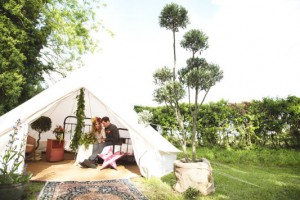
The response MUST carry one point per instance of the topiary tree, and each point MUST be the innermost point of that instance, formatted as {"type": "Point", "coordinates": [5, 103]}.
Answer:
{"type": "Point", "coordinates": [201, 77]}
{"type": "Point", "coordinates": [198, 75]}
{"type": "Point", "coordinates": [170, 91]}
{"type": "Point", "coordinates": [173, 17]}
{"type": "Point", "coordinates": [42, 124]}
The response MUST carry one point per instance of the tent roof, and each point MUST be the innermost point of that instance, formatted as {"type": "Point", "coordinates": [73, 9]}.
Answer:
{"type": "Point", "coordinates": [104, 96]}
{"type": "Point", "coordinates": [49, 99]}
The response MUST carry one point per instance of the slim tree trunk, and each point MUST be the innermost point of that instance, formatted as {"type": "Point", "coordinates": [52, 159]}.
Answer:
{"type": "Point", "coordinates": [194, 128]}
{"type": "Point", "coordinates": [182, 130]}
{"type": "Point", "coordinates": [38, 141]}
{"type": "Point", "coordinates": [174, 52]}
{"type": "Point", "coordinates": [194, 116]}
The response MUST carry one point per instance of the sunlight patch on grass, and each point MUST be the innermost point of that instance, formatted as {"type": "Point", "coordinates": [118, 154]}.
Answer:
{"type": "Point", "coordinates": [221, 196]}
{"type": "Point", "coordinates": [226, 166]}
{"type": "Point", "coordinates": [280, 183]}
{"type": "Point", "coordinates": [236, 178]}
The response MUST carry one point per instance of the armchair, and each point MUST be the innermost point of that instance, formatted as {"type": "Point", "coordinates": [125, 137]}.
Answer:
{"type": "Point", "coordinates": [30, 147]}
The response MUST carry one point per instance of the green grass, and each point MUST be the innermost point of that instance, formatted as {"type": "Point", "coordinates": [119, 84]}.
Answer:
{"type": "Point", "coordinates": [255, 182]}
{"type": "Point", "coordinates": [33, 190]}
{"type": "Point", "coordinates": [238, 175]}
{"type": "Point", "coordinates": [234, 182]}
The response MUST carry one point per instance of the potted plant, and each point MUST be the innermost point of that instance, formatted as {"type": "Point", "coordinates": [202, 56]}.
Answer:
{"type": "Point", "coordinates": [42, 124]}
{"type": "Point", "coordinates": [199, 76]}
{"type": "Point", "coordinates": [13, 176]}
{"type": "Point", "coordinates": [59, 133]}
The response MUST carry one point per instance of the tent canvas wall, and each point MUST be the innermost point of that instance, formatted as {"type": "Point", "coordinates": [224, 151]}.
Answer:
{"type": "Point", "coordinates": [154, 155]}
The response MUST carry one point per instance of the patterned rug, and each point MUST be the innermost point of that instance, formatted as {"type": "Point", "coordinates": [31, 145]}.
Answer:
{"type": "Point", "coordinates": [121, 189]}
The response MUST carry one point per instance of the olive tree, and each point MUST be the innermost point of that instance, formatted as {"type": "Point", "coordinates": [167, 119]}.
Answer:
{"type": "Point", "coordinates": [170, 91]}
{"type": "Point", "coordinates": [173, 17]}
{"type": "Point", "coordinates": [198, 74]}
{"type": "Point", "coordinates": [194, 41]}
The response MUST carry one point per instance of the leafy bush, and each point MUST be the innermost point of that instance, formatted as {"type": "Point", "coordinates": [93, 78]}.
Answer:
{"type": "Point", "coordinates": [13, 160]}
{"type": "Point", "coordinates": [256, 156]}
{"type": "Point", "coordinates": [191, 193]}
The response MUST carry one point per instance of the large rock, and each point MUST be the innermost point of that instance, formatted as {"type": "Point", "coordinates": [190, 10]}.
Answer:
{"type": "Point", "coordinates": [196, 175]}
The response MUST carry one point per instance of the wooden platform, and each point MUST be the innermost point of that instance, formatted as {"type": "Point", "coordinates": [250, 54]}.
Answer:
{"type": "Point", "coordinates": [67, 170]}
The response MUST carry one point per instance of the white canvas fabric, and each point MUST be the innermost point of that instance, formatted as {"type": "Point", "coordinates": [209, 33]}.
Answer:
{"type": "Point", "coordinates": [154, 154]}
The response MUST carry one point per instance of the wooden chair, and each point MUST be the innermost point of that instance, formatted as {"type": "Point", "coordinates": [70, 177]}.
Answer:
{"type": "Point", "coordinates": [30, 147]}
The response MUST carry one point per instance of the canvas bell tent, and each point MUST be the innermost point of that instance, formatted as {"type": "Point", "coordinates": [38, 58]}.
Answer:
{"type": "Point", "coordinates": [153, 154]}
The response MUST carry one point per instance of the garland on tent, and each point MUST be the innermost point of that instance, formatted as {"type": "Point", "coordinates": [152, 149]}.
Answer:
{"type": "Point", "coordinates": [80, 120]}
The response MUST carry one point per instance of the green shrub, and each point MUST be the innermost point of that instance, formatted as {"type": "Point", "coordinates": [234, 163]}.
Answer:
{"type": "Point", "coordinates": [191, 193]}
{"type": "Point", "coordinates": [256, 156]}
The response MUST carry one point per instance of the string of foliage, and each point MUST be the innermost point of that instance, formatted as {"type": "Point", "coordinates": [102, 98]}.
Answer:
{"type": "Point", "coordinates": [80, 120]}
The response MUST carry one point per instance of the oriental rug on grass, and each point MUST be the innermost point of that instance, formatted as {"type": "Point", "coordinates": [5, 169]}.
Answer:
{"type": "Point", "coordinates": [120, 189]}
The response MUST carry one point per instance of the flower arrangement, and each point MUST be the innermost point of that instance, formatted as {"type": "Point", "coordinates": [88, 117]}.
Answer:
{"type": "Point", "coordinates": [59, 132]}
{"type": "Point", "coordinates": [13, 159]}
{"type": "Point", "coordinates": [87, 139]}
{"type": "Point", "coordinates": [96, 119]}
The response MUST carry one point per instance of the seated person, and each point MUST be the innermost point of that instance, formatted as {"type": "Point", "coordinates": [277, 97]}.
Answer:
{"type": "Point", "coordinates": [111, 132]}
{"type": "Point", "coordinates": [99, 137]}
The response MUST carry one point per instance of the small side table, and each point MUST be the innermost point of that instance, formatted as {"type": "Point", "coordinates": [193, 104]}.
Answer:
{"type": "Point", "coordinates": [55, 150]}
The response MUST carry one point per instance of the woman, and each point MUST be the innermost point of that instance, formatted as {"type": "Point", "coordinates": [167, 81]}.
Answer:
{"type": "Point", "coordinates": [97, 130]}
{"type": "Point", "coordinates": [99, 138]}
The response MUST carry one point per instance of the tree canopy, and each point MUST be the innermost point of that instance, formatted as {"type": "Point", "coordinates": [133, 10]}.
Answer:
{"type": "Point", "coordinates": [173, 17]}
{"type": "Point", "coordinates": [38, 38]}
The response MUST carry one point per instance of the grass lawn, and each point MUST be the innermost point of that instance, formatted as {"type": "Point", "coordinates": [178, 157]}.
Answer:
{"type": "Point", "coordinates": [255, 182]}
{"type": "Point", "coordinates": [234, 180]}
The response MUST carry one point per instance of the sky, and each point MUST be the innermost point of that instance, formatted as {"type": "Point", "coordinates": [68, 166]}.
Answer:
{"type": "Point", "coordinates": [255, 42]}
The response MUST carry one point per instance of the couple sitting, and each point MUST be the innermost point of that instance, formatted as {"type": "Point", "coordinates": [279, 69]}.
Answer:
{"type": "Point", "coordinates": [103, 137]}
